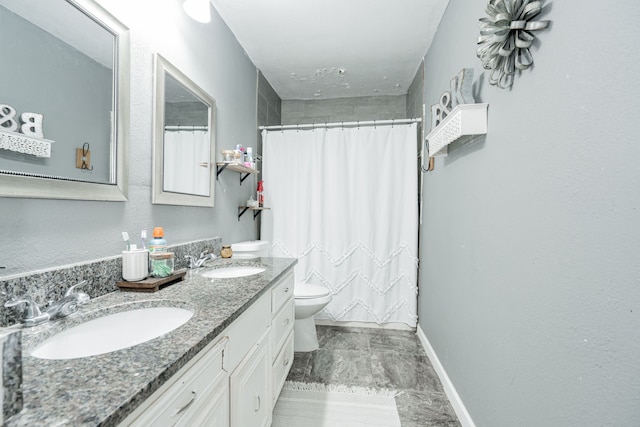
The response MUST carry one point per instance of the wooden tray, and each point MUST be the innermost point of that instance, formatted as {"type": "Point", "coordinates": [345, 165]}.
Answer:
{"type": "Point", "coordinates": [152, 284]}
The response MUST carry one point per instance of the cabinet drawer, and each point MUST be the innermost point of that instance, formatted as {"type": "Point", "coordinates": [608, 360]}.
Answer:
{"type": "Point", "coordinates": [191, 388]}
{"type": "Point", "coordinates": [282, 292]}
{"type": "Point", "coordinates": [281, 326]}
{"type": "Point", "coordinates": [282, 366]}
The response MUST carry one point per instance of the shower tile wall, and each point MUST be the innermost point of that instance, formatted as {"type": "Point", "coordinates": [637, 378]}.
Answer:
{"type": "Point", "coordinates": [269, 103]}
{"type": "Point", "coordinates": [415, 94]}
{"type": "Point", "coordinates": [415, 100]}
{"type": "Point", "coordinates": [269, 114]}
{"type": "Point", "coordinates": [344, 109]}
{"type": "Point", "coordinates": [269, 108]}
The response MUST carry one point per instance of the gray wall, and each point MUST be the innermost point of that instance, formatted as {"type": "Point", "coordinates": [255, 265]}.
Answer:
{"type": "Point", "coordinates": [530, 244]}
{"type": "Point", "coordinates": [344, 109]}
{"type": "Point", "coordinates": [38, 234]}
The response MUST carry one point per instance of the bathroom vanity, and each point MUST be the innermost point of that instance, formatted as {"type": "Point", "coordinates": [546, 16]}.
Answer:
{"type": "Point", "coordinates": [226, 365]}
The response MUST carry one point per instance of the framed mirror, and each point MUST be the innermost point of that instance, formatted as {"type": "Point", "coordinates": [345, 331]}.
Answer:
{"type": "Point", "coordinates": [183, 139]}
{"type": "Point", "coordinates": [64, 101]}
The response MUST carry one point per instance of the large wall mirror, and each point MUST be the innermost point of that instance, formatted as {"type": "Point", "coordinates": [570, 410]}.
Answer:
{"type": "Point", "coordinates": [183, 140]}
{"type": "Point", "coordinates": [64, 100]}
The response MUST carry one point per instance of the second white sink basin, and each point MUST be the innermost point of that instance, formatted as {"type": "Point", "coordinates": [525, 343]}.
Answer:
{"type": "Point", "coordinates": [231, 272]}
{"type": "Point", "coordinates": [112, 332]}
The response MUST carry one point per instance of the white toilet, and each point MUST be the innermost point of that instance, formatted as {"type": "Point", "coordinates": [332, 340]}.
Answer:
{"type": "Point", "coordinates": [309, 299]}
{"type": "Point", "coordinates": [251, 249]}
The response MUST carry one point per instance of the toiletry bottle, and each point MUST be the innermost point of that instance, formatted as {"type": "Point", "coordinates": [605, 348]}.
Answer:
{"type": "Point", "coordinates": [239, 154]}
{"type": "Point", "coordinates": [158, 243]}
{"type": "Point", "coordinates": [261, 193]}
{"type": "Point", "coordinates": [248, 157]}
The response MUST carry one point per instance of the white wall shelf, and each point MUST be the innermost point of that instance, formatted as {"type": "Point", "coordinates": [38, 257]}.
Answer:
{"type": "Point", "coordinates": [236, 167]}
{"type": "Point", "coordinates": [256, 211]}
{"type": "Point", "coordinates": [21, 143]}
{"type": "Point", "coordinates": [463, 123]}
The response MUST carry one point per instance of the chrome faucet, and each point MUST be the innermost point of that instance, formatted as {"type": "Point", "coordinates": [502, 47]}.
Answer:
{"type": "Point", "coordinates": [65, 306]}
{"type": "Point", "coordinates": [32, 315]}
{"type": "Point", "coordinates": [204, 257]}
{"type": "Point", "coordinates": [81, 297]}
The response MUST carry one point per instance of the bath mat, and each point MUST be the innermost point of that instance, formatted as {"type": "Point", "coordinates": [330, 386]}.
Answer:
{"type": "Point", "coordinates": [319, 405]}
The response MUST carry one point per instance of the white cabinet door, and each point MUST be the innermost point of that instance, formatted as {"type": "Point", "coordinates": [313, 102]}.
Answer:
{"type": "Point", "coordinates": [281, 368]}
{"type": "Point", "coordinates": [250, 387]}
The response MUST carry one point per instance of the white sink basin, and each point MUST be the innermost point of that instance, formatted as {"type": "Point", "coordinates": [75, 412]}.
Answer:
{"type": "Point", "coordinates": [112, 332]}
{"type": "Point", "coordinates": [231, 272]}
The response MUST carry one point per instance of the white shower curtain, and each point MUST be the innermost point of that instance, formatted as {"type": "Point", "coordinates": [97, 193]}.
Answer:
{"type": "Point", "coordinates": [344, 202]}
{"type": "Point", "coordinates": [186, 162]}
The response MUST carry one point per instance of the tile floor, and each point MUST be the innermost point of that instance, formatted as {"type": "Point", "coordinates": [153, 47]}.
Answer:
{"type": "Point", "coordinates": [391, 359]}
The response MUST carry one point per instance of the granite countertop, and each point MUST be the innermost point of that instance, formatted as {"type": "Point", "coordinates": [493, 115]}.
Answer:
{"type": "Point", "coordinates": [102, 390]}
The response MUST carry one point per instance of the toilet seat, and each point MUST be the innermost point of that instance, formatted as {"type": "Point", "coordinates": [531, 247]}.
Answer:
{"type": "Point", "coordinates": [309, 291]}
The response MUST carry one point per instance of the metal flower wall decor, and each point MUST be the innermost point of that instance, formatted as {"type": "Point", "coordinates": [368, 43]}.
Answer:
{"type": "Point", "coordinates": [505, 38]}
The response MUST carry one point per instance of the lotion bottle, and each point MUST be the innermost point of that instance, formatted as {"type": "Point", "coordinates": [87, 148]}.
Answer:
{"type": "Point", "coordinates": [260, 193]}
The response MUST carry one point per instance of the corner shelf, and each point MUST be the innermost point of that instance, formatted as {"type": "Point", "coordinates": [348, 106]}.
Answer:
{"type": "Point", "coordinates": [462, 123]}
{"type": "Point", "coordinates": [256, 211]}
{"type": "Point", "coordinates": [235, 167]}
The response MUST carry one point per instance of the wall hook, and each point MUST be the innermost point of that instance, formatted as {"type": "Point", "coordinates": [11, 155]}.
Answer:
{"type": "Point", "coordinates": [83, 157]}
{"type": "Point", "coordinates": [85, 153]}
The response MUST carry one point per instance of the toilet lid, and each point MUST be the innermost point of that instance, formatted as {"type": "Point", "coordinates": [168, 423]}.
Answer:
{"type": "Point", "coordinates": [308, 290]}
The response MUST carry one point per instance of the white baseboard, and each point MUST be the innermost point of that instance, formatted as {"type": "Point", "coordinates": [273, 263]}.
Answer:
{"type": "Point", "coordinates": [392, 325]}
{"type": "Point", "coordinates": [449, 389]}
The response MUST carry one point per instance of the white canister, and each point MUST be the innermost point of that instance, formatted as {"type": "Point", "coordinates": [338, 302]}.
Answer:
{"type": "Point", "coordinates": [135, 265]}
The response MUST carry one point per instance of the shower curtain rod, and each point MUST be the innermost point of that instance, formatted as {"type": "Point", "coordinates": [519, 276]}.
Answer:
{"type": "Point", "coordinates": [343, 124]}
{"type": "Point", "coordinates": [179, 128]}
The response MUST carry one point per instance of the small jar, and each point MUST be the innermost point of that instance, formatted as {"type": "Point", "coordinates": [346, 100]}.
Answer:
{"type": "Point", "coordinates": [227, 156]}
{"type": "Point", "coordinates": [238, 157]}
{"type": "Point", "coordinates": [226, 251]}
{"type": "Point", "coordinates": [161, 264]}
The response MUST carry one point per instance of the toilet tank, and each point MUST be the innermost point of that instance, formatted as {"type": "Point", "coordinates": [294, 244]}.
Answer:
{"type": "Point", "coordinates": [251, 249]}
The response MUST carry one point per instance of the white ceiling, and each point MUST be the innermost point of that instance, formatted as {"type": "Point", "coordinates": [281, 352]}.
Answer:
{"type": "Point", "coordinates": [334, 48]}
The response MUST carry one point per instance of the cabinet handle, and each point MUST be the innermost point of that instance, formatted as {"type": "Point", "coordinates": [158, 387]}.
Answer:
{"type": "Point", "coordinates": [286, 362]}
{"type": "Point", "coordinates": [286, 321]}
{"type": "Point", "coordinates": [184, 408]}
{"type": "Point", "coordinates": [286, 290]}
{"type": "Point", "coordinates": [258, 403]}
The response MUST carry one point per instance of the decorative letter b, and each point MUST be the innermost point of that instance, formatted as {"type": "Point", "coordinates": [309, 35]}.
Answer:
{"type": "Point", "coordinates": [31, 124]}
